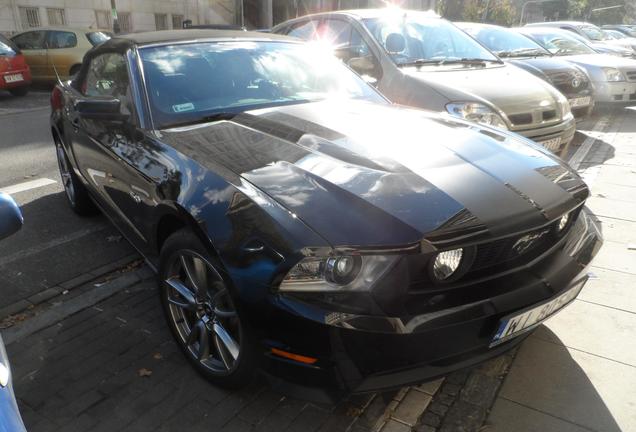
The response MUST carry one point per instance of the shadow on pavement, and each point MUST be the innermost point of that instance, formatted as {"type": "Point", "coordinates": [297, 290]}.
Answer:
{"type": "Point", "coordinates": [550, 386]}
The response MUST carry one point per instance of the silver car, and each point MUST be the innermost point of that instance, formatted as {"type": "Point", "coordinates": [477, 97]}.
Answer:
{"type": "Point", "coordinates": [418, 59]}
{"type": "Point", "coordinates": [594, 36]}
{"type": "Point", "coordinates": [614, 78]}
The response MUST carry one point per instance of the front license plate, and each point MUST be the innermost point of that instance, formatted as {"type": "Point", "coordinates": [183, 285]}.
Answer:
{"type": "Point", "coordinates": [579, 102]}
{"type": "Point", "coordinates": [13, 78]}
{"type": "Point", "coordinates": [552, 144]}
{"type": "Point", "coordinates": [521, 322]}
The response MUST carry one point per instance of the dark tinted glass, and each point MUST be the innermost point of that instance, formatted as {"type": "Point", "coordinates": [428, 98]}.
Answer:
{"type": "Point", "coordinates": [30, 40]}
{"type": "Point", "coordinates": [108, 76]}
{"type": "Point", "coordinates": [61, 39]}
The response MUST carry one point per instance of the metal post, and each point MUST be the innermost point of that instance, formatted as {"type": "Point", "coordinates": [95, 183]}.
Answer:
{"type": "Point", "coordinates": [485, 15]}
{"type": "Point", "coordinates": [113, 11]}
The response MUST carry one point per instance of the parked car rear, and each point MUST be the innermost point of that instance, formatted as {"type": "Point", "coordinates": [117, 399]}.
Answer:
{"type": "Point", "coordinates": [15, 72]}
{"type": "Point", "coordinates": [418, 59]}
{"type": "Point", "coordinates": [57, 51]}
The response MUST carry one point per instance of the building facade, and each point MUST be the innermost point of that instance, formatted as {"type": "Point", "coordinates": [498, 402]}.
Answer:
{"type": "Point", "coordinates": [147, 15]}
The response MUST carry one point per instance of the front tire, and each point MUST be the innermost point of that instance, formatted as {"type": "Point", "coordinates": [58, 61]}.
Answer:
{"type": "Point", "coordinates": [202, 314]}
{"type": "Point", "coordinates": [76, 193]}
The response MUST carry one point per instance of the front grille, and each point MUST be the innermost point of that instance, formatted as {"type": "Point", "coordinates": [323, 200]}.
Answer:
{"type": "Point", "coordinates": [520, 119]}
{"type": "Point", "coordinates": [564, 81]}
{"type": "Point", "coordinates": [549, 115]}
{"type": "Point", "coordinates": [631, 75]}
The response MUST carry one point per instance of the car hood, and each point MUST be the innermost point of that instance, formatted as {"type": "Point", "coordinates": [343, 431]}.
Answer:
{"type": "Point", "coordinates": [498, 85]}
{"type": "Point", "coordinates": [603, 60]}
{"type": "Point", "coordinates": [367, 174]}
{"type": "Point", "coordinates": [546, 65]}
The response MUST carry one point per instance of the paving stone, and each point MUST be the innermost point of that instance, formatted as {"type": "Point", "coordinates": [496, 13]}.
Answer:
{"type": "Point", "coordinates": [480, 390]}
{"type": "Point", "coordinates": [463, 417]}
{"type": "Point", "coordinates": [394, 426]}
{"type": "Point", "coordinates": [411, 407]}
{"type": "Point", "coordinates": [14, 308]}
{"type": "Point", "coordinates": [431, 387]}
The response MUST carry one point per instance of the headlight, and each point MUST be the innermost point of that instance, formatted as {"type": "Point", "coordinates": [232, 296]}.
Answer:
{"type": "Point", "coordinates": [563, 222]}
{"type": "Point", "coordinates": [337, 273]}
{"type": "Point", "coordinates": [476, 112]}
{"type": "Point", "coordinates": [613, 75]}
{"type": "Point", "coordinates": [446, 263]}
{"type": "Point", "coordinates": [564, 106]}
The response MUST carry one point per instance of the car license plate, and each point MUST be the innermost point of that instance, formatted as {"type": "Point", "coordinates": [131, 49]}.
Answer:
{"type": "Point", "coordinates": [13, 78]}
{"type": "Point", "coordinates": [552, 144]}
{"type": "Point", "coordinates": [579, 102]}
{"type": "Point", "coordinates": [521, 322]}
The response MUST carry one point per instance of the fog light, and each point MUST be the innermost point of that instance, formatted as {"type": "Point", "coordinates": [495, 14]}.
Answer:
{"type": "Point", "coordinates": [563, 222]}
{"type": "Point", "coordinates": [446, 263]}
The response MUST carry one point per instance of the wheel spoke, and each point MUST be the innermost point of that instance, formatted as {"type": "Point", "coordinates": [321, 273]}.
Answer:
{"type": "Point", "coordinates": [201, 275]}
{"type": "Point", "coordinates": [226, 339]}
{"type": "Point", "coordinates": [225, 358]}
{"type": "Point", "coordinates": [204, 343]}
{"type": "Point", "coordinates": [190, 300]}
{"type": "Point", "coordinates": [189, 273]}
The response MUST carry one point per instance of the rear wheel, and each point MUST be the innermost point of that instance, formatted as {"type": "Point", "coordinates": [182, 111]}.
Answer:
{"type": "Point", "coordinates": [76, 193]}
{"type": "Point", "coordinates": [202, 314]}
{"type": "Point", "coordinates": [19, 91]}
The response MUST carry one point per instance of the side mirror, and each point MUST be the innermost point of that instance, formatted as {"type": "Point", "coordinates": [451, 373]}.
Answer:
{"type": "Point", "coordinates": [100, 108]}
{"type": "Point", "coordinates": [10, 216]}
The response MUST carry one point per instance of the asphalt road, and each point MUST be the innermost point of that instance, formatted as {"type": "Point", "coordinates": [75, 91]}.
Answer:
{"type": "Point", "coordinates": [54, 245]}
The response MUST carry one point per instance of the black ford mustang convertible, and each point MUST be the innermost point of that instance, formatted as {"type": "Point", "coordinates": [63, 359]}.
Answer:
{"type": "Point", "coordinates": [302, 225]}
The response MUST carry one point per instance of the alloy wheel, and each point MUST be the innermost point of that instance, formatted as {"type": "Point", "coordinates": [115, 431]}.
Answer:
{"type": "Point", "coordinates": [202, 312]}
{"type": "Point", "coordinates": [65, 173]}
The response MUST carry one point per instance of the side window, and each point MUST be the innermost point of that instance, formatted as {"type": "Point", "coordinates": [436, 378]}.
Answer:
{"type": "Point", "coordinates": [30, 40]}
{"type": "Point", "coordinates": [61, 39]}
{"type": "Point", "coordinates": [108, 76]}
{"type": "Point", "coordinates": [304, 30]}
{"type": "Point", "coordinates": [336, 32]}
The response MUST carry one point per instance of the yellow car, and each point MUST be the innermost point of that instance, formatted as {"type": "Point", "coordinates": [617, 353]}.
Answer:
{"type": "Point", "coordinates": [48, 49]}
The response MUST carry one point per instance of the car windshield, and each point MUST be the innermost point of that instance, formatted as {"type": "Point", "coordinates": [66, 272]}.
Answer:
{"type": "Point", "coordinates": [615, 34]}
{"type": "Point", "coordinates": [561, 44]}
{"type": "Point", "coordinates": [190, 83]}
{"type": "Point", "coordinates": [7, 47]}
{"type": "Point", "coordinates": [412, 38]}
{"type": "Point", "coordinates": [593, 33]}
{"type": "Point", "coordinates": [95, 38]}
{"type": "Point", "coordinates": [506, 43]}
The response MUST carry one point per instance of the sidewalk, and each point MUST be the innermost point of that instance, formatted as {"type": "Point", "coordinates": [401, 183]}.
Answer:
{"type": "Point", "coordinates": [578, 372]}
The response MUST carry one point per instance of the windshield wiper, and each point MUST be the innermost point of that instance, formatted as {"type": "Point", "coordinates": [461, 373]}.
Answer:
{"type": "Point", "coordinates": [421, 62]}
{"type": "Point", "coordinates": [523, 52]}
{"type": "Point", "coordinates": [470, 61]}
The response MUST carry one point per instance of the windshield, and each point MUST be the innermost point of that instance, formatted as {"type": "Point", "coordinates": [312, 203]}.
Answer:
{"type": "Point", "coordinates": [7, 47]}
{"type": "Point", "coordinates": [506, 43]}
{"type": "Point", "coordinates": [411, 38]}
{"type": "Point", "coordinates": [189, 83]}
{"type": "Point", "coordinates": [95, 38]}
{"type": "Point", "coordinates": [593, 33]}
{"type": "Point", "coordinates": [615, 34]}
{"type": "Point", "coordinates": [561, 44]}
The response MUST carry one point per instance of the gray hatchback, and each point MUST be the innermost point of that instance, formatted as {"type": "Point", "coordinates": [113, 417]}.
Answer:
{"type": "Point", "coordinates": [418, 59]}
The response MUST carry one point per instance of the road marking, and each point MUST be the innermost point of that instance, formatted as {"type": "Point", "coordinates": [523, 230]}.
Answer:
{"type": "Point", "coordinates": [53, 243]}
{"type": "Point", "coordinates": [577, 158]}
{"type": "Point", "coordinates": [22, 187]}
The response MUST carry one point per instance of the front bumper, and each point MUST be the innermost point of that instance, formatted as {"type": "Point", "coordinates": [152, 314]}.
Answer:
{"type": "Point", "coordinates": [555, 138]}
{"type": "Point", "coordinates": [615, 92]}
{"type": "Point", "coordinates": [358, 353]}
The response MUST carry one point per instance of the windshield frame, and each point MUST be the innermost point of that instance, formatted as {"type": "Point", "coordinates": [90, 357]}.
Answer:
{"type": "Point", "coordinates": [156, 125]}
{"type": "Point", "coordinates": [424, 17]}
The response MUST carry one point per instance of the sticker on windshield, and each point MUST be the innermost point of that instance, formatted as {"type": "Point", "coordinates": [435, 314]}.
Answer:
{"type": "Point", "coordinates": [183, 107]}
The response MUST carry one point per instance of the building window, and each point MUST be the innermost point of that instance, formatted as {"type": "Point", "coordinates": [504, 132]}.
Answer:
{"type": "Point", "coordinates": [102, 19]}
{"type": "Point", "coordinates": [56, 16]}
{"type": "Point", "coordinates": [125, 25]}
{"type": "Point", "coordinates": [30, 17]}
{"type": "Point", "coordinates": [161, 21]}
{"type": "Point", "coordinates": [177, 21]}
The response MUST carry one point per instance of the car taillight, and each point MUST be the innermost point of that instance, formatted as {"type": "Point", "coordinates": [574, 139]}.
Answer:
{"type": "Point", "coordinates": [57, 101]}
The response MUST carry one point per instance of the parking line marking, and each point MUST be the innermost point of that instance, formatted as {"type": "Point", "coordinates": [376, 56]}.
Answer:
{"type": "Point", "coordinates": [577, 158]}
{"type": "Point", "coordinates": [22, 187]}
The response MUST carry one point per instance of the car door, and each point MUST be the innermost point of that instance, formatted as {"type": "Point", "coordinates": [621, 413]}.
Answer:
{"type": "Point", "coordinates": [33, 47]}
{"type": "Point", "coordinates": [107, 151]}
{"type": "Point", "coordinates": [62, 47]}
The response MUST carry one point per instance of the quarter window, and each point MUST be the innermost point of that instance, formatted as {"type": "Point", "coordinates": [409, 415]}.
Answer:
{"type": "Point", "coordinates": [32, 40]}
{"type": "Point", "coordinates": [61, 39]}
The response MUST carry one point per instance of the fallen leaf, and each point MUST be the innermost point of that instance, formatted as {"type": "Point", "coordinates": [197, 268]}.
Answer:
{"type": "Point", "coordinates": [157, 356]}
{"type": "Point", "coordinates": [113, 239]}
{"type": "Point", "coordinates": [143, 372]}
